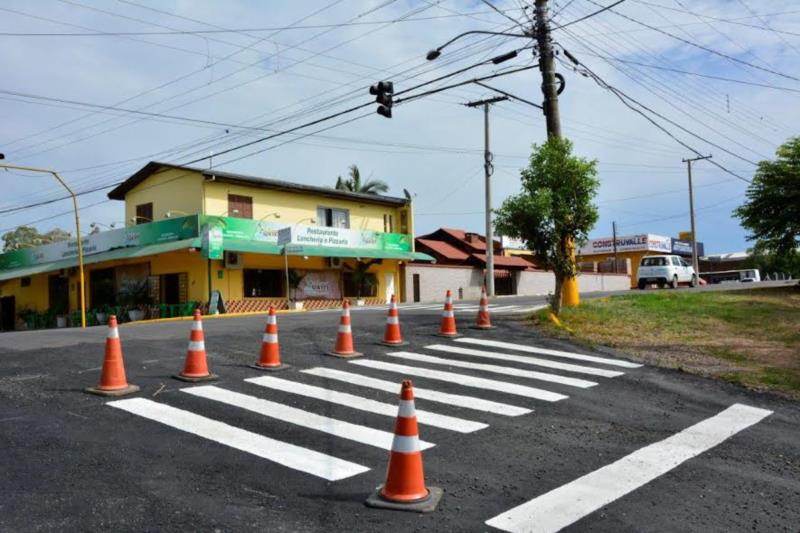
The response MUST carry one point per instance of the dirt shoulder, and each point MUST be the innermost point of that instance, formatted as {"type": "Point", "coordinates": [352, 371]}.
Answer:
{"type": "Point", "coordinates": [747, 337]}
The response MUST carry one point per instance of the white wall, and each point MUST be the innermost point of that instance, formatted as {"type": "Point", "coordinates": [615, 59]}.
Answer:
{"type": "Point", "coordinates": [435, 280]}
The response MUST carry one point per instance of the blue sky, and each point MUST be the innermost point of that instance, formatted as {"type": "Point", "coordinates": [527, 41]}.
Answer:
{"type": "Point", "coordinates": [271, 80]}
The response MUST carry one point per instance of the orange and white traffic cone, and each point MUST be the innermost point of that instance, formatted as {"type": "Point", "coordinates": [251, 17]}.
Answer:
{"type": "Point", "coordinates": [483, 322]}
{"type": "Point", "coordinates": [344, 337]}
{"type": "Point", "coordinates": [112, 379]}
{"type": "Point", "coordinates": [196, 366]}
{"type": "Point", "coordinates": [270, 349]}
{"type": "Point", "coordinates": [391, 335]}
{"type": "Point", "coordinates": [447, 327]}
{"type": "Point", "coordinates": [404, 488]}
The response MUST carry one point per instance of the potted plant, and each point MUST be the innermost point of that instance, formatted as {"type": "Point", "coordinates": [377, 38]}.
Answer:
{"type": "Point", "coordinates": [134, 294]}
{"type": "Point", "coordinates": [363, 280]}
{"type": "Point", "coordinates": [101, 314]}
{"type": "Point", "coordinates": [295, 278]}
{"type": "Point", "coordinates": [60, 310]}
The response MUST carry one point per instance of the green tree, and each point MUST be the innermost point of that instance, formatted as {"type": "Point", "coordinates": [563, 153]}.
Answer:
{"type": "Point", "coordinates": [354, 183]}
{"type": "Point", "coordinates": [772, 210]}
{"type": "Point", "coordinates": [554, 209]}
{"type": "Point", "coordinates": [28, 236]}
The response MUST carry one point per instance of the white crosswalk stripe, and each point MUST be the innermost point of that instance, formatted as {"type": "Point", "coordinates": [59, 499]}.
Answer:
{"type": "Point", "coordinates": [365, 404]}
{"type": "Point", "coordinates": [289, 455]}
{"type": "Point", "coordinates": [602, 372]}
{"type": "Point", "coordinates": [463, 379]}
{"type": "Point", "coordinates": [299, 417]}
{"type": "Point", "coordinates": [497, 369]}
{"type": "Point", "coordinates": [547, 351]}
{"type": "Point", "coordinates": [458, 400]}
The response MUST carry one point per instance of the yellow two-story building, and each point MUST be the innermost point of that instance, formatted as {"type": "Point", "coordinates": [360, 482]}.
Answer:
{"type": "Point", "coordinates": [200, 237]}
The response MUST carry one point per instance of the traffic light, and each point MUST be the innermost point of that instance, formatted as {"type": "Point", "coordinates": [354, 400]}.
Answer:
{"type": "Point", "coordinates": [384, 92]}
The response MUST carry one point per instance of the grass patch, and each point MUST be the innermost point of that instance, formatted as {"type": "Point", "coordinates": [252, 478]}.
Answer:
{"type": "Point", "coordinates": [751, 337]}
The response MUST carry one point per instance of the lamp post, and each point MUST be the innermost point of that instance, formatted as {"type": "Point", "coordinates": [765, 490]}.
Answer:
{"type": "Point", "coordinates": [77, 227]}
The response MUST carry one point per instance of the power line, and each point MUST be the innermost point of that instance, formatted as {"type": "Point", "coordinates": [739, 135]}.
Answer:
{"type": "Point", "coordinates": [697, 45]}
{"type": "Point", "coordinates": [626, 99]}
{"type": "Point", "coordinates": [590, 15]}
{"type": "Point", "coordinates": [242, 30]}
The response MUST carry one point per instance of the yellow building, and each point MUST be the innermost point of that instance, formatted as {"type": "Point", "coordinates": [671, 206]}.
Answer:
{"type": "Point", "coordinates": [193, 234]}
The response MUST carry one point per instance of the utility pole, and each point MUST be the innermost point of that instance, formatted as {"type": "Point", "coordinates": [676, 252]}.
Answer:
{"type": "Point", "coordinates": [691, 212]}
{"type": "Point", "coordinates": [488, 169]}
{"type": "Point", "coordinates": [552, 85]}
{"type": "Point", "coordinates": [614, 242]}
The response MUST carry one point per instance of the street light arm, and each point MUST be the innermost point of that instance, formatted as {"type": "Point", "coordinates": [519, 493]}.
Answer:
{"type": "Point", "coordinates": [436, 52]}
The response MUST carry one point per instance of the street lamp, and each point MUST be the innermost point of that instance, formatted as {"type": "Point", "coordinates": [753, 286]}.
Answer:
{"type": "Point", "coordinates": [276, 215]}
{"type": "Point", "coordinates": [93, 225]}
{"type": "Point", "coordinates": [171, 212]}
{"type": "Point", "coordinates": [77, 227]}
{"type": "Point", "coordinates": [436, 52]}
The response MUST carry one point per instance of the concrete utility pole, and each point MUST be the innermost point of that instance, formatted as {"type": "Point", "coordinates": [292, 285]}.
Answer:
{"type": "Point", "coordinates": [488, 171]}
{"type": "Point", "coordinates": [550, 89]}
{"type": "Point", "coordinates": [691, 212]}
{"type": "Point", "coordinates": [614, 242]}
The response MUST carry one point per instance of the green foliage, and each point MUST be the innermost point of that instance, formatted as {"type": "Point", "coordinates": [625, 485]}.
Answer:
{"type": "Point", "coordinates": [354, 183]}
{"type": "Point", "coordinates": [554, 208]}
{"type": "Point", "coordinates": [363, 280]}
{"type": "Point", "coordinates": [28, 236]}
{"type": "Point", "coordinates": [769, 263]}
{"type": "Point", "coordinates": [134, 292]}
{"type": "Point", "coordinates": [772, 209]}
{"type": "Point", "coordinates": [295, 278]}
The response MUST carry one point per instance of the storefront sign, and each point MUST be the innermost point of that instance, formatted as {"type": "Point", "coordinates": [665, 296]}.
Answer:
{"type": "Point", "coordinates": [213, 242]}
{"type": "Point", "coordinates": [320, 284]}
{"type": "Point", "coordinates": [631, 243]}
{"type": "Point", "coordinates": [511, 243]}
{"type": "Point", "coordinates": [139, 235]}
{"type": "Point", "coordinates": [684, 248]}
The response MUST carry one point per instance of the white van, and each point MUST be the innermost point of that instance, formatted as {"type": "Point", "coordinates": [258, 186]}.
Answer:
{"type": "Point", "coordinates": [669, 270]}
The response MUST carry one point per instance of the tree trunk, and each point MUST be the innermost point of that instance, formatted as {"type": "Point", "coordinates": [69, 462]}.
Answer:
{"type": "Point", "coordinates": [555, 304]}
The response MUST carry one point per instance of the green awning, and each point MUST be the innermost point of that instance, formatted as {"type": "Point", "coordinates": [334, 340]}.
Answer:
{"type": "Point", "coordinates": [333, 251]}
{"type": "Point", "coordinates": [246, 245]}
{"type": "Point", "coordinates": [119, 253]}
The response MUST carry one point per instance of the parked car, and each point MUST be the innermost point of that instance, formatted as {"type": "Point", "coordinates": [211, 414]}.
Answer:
{"type": "Point", "coordinates": [665, 270]}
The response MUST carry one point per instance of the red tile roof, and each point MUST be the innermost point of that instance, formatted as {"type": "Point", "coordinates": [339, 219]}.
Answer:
{"type": "Point", "coordinates": [503, 261]}
{"type": "Point", "coordinates": [444, 249]}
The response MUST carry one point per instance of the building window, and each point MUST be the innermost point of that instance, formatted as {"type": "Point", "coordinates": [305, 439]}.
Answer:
{"type": "Point", "coordinates": [404, 221]}
{"type": "Point", "coordinates": [25, 282]}
{"type": "Point", "coordinates": [388, 224]}
{"type": "Point", "coordinates": [333, 218]}
{"type": "Point", "coordinates": [240, 206]}
{"type": "Point", "coordinates": [144, 213]}
{"type": "Point", "coordinates": [263, 283]}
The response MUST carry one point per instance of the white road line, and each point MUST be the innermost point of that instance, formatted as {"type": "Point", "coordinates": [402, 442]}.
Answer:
{"type": "Point", "coordinates": [365, 404]}
{"type": "Point", "coordinates": [565, 505]}
{"type": "Point", "coordinates": [503, 308]}
{"type": "Point", "coordinates": [547, 351]}
{"type": "Point", "coordinates": [530, 309]}
{"type": "Point", "coordinates": [283, 453]}
{"type": "Point", "coordinates": [497, 369]}
{"type": "Point", "coordinates": [602, 372]}
{"type": "Point", "coordinates": [468, 402]}
{"type": "Point", "coordinates": [298, 417]}
{"type": "Point", "coordinates": [461, 379]}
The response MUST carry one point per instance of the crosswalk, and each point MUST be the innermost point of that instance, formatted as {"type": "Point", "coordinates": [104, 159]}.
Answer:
{"type": "Point", "coordinates": [470, 382]}
{"type": "Point", "coordinates": [494, 308]}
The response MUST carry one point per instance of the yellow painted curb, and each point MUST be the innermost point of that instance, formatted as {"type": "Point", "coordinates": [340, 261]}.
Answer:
{"type": "Point", "coordinates": [207, 317]}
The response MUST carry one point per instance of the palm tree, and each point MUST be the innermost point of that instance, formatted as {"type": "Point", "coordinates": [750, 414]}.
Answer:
{"type": "Point", "coordinates": [354, 184]}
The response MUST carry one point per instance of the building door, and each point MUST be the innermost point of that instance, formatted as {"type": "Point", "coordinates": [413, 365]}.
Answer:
{"type": "Point", "coordinates": [58, 292]}
{"type": "Point", "coordinates": [172, 288]}
{"type": "Point", "coordinates": [7, 312]}
{"type": "Point", "coordinates": [415, 283]}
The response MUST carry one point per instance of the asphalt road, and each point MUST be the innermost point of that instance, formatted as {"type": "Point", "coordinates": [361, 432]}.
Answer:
{"type": "Point", "coordinates": [647, 450]}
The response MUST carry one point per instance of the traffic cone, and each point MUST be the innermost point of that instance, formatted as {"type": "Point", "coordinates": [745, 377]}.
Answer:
{"type": "Point", "coordinates": [448, 324]}
{"type": "Point", "coordinates": [270, 349]}
{"type": "Point", "coordinates": [404, 488]}
{"type": "Point", "coordinates": [483, 322]}
{"type": "Point", "coordinates": [344, 337]}
{"type": "Point", "coordinates": [196, 366]}
{"type": "Point", "coordinates": [391, 335]}
{"type": "Point", "coordinates": [112, 379]}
